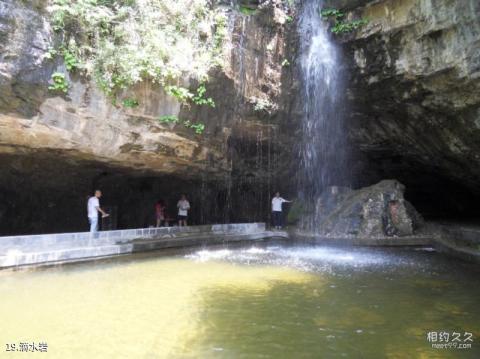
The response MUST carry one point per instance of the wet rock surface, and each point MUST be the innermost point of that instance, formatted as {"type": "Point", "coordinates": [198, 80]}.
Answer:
{"type": "Point", "coordinates": [414, 98]}
{"type": "Point", "coordinates": [375, 211]}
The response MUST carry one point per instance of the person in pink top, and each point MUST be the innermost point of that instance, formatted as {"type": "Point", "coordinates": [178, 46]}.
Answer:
{"type": "Point", "coordinates": [160, 213]}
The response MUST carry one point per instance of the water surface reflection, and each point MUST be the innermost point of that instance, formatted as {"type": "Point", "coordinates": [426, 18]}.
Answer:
{"type": "Point", "coordinates": [253, 302]}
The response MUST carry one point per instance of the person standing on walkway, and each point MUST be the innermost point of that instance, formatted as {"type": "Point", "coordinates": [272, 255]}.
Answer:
{"type": "Point", "coordinates": [93, 207]}
{"type": "Point", "coordinates": [183, 206]}
{"type": "Point", "coordinates": [160, 214]}
{"type": "Point", "coordinates": [277, 215]}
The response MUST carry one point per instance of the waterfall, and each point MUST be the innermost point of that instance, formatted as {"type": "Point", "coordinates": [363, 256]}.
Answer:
{"type": "Point", "coordinates": [322, 150]}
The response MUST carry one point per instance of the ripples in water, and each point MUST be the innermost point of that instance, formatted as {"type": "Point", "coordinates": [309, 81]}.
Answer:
{"type": "Point", "coordinates": [317, 259]}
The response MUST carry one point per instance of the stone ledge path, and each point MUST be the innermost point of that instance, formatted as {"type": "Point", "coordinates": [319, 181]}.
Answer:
{"type": "Point", "coordinates": [46, 249]}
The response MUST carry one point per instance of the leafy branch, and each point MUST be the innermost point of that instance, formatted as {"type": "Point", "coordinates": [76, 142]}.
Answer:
{"type": "Point", "coordinates": [130, 102]}
{"type": "Point", "coordinates": [198, 127]}
{"type": "Point", "coordinates": [200, 99]}
{"type": "Point", "coordinates": [340, 25]}
{"type": "Point", "coordinates": [59, 83]}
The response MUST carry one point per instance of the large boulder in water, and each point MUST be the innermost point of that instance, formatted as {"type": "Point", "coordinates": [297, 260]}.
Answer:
{"type": "Point", "coordinates": [376, 211]}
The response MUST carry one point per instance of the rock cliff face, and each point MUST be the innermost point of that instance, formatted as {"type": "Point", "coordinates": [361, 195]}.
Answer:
{"type": "Point", "coordinates": [414, 91]}
{"type": "Point", "coordinates": [60, 147]}
{"type": "Point", "coordinates": [375, 211]}
{"type": "Point", "coordinates": [413, 104]}
{"type": "Point", "coordinates": [89, 126]}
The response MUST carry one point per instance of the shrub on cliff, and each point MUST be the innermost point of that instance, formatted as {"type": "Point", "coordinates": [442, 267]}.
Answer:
{"type": "Point", "coordinates": [123, 42]}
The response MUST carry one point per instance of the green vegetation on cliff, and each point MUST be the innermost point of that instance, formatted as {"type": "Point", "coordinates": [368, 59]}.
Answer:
{"type": "Point", "coordinates": [59, 83]}
{"type": "Point", "coordinates": [170, 119]}
{"type": "Point", "coordinates": [340, 25]}
{"type": "Point", "coordinates": [123, 42]}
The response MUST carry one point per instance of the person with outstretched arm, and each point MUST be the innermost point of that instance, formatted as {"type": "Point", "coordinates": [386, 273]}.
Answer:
{"type": "Point", "coordinates": [277, 215]}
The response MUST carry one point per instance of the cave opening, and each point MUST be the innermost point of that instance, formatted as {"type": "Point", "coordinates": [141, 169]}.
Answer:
{"type": "Point", "coordinates": [442, 199]}
{"type": "Point", "coordinates": [47, 192]}
{"type": "Point", "coordinates": [436, 192]}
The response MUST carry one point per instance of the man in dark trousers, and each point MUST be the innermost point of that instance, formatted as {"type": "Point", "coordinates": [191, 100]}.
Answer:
{"type": "Point", "coordinates": [277, 215]}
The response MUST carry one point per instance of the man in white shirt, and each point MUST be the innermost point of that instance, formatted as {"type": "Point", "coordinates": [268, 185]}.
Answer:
{"type": "Point", "coordinates": [93, 207]}
{"type": "Point", "coordinates": [277, 217]}
{"type": "Point", "coordinates": [183, 207]}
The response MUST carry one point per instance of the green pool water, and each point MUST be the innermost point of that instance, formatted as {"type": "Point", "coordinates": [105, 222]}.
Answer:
{"type": "Point", "coordinates": [271, 301]}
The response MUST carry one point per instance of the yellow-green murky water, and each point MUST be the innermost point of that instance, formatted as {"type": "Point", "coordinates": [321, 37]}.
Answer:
{"type": "Point", "coordinates": [271, 302]}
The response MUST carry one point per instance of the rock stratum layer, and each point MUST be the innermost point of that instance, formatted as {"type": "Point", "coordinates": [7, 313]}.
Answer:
{"type": "Point", "coordinates": [86, 123]}
{"type": "Point", "coordinates": [414, 91]}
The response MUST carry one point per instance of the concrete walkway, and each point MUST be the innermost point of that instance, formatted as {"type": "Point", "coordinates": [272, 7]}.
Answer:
{"type": "Point", "coordinates": [459, 241]}
{"type": "Point", "coordinates": [68, 247]}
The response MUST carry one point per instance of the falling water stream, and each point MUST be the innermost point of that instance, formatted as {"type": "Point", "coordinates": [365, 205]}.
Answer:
{"type": "Point", "coordinates": [324, 146]}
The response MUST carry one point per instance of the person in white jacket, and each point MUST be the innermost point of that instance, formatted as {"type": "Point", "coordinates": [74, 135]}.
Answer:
{"type": "Point", "coordinates": [277, 215]}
